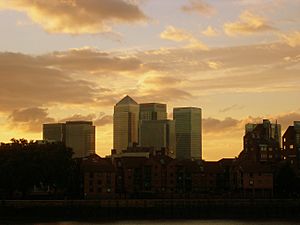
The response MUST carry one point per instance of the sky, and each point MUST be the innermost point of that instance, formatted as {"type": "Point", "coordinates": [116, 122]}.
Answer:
{"type": "Point", "coordinates": [238, 60]}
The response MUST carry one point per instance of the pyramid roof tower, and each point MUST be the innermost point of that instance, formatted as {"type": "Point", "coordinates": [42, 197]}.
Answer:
{"type": "Point", "coordinates": [127, 100]}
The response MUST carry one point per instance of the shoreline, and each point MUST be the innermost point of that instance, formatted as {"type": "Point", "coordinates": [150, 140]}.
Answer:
{"type": "Point", "coordinates": [151, 209]}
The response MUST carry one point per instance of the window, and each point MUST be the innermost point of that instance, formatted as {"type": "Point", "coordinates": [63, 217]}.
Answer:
{"type": "Point", "coordinates": [99, 182]}
{"type": "Point", "coordinates": [99, 189]}
{"type": "Point", "coordinates": [251, 182]}
{"type": "Point", "coordinates": [291, 146]}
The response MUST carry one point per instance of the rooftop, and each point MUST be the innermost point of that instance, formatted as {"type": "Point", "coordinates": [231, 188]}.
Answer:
{"type": "Point", "coordinates": [127, 100]}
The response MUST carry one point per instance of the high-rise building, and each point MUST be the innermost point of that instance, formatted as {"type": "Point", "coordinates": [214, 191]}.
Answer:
{"type": "Point", "coordinates": [80, 136]}
{"type": "Point", "coordinates": [262, 142]}
{"type": "Point", "coordinates": [125, 127]}
{"type": "Point", "coordinates": [159, 134]}
{"type": "Point", "coordinates": [188, 129]}
{"type": "Point", "coordinates": [153, 111]}
{"type": "Point", "coordinates": [54, 132]}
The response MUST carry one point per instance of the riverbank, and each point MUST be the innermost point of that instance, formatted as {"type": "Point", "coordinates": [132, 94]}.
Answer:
{"type": "Point", "coordinates": [152, 209]}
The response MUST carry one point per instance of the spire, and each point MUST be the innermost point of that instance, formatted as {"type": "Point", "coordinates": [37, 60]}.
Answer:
{"type": "Point", "coordinates": [127, 100]}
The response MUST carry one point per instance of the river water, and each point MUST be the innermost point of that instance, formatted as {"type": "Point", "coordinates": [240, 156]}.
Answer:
{"type": "Point", "coordinates": [161, 222]}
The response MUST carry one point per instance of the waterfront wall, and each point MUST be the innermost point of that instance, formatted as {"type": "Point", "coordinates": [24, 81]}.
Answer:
{"type": "Point", "coordinates": [154, 208]}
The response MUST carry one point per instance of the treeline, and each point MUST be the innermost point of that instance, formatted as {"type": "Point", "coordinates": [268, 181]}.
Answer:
{"type": "Point", "coordinates": [28, 166]}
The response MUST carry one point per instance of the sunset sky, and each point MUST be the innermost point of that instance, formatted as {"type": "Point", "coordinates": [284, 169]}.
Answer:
{"type": "Point", "coordinates": [239, 60]}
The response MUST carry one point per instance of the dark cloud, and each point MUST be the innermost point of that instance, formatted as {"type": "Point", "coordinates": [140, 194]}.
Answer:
{"type": "Point", "coordinates": [232, 107]}
{"type": "Point", "coordinates": [32, 81]}
{"type": "Point", "coordinates": [29, 119]}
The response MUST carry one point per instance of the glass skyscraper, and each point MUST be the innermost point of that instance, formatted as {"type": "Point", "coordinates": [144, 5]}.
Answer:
{"type": "Point", "coordinates": [125, 127]}
{"type": "Point", "coordinates": [188, 129]}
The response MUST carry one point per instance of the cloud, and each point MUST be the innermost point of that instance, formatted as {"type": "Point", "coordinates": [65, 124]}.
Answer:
{"type": "Point", "coordinates": [200, 7]}
{"type": "Point", "coordinates": [178, 35]}
{"type": "Point", "coordinates": [29, 119]}
{"type": "Point", "coordinates": [229, 70]}
{"type": "Point", "coordinates": [210, 32]}
{"type": "Point", "coordinates": [92, 60]}
{"type": "Point", "coordinates": [216, 126]}
{"type": "Point", "coordinates": [60, 77]}
{"type": "Point", "coordinates": [248, 24]}
{"type": "Point", "coordinates": [292, 38]}
{"type": "Point", "coordinates": [232, 107]}
{"type": "Point", "coordinates": [99, 120]}
{"type": "Point", "coordinates": [77, 16]}
{"type": "Point", "coordinates": [104, 120]}
{"type": "Point", "coordinates": [79, 117]}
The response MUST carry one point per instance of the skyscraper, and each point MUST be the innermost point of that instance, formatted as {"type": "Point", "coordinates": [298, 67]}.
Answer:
{"type": "Point", "coordinates": [153, 111]}
{"type": "Point", "coordinates": [158, 134]}
{"type": "Point", "coordinates": [125, 127]}
{"type": "Point", "coordinates": [188, 129]}
{"type": "Point", "coordinates": [54, 132]}
{"type": "Point", "coordinates": [78, 135]}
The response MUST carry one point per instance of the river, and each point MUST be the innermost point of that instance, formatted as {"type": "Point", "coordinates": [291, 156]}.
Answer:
{"type": "Point", "coordinates": [160, 222]}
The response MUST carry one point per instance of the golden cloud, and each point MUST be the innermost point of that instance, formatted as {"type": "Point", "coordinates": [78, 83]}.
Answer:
{"type": "Point", "coordinates": [210, 32]}
{"type": "Point", "coordinates": [199, 6]}
{"type": "Point", "coordinates": [77, 16]}
{"type": "Point", "coordinates": [248, 24]}
{"type": "Point", "coordinates": [292, 39]}
{"type": "Point", "coordinates": [175, 34]}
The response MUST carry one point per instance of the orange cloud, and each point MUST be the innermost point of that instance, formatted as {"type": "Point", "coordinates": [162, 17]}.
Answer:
{"type": "Point", "coordinates": [248, 24]}
{"type": "Point", "coordinates": [199, 6]}
{"type": "Point", "coordinates": [77, 16]}
{"type": "Point", "coordinates": [210, 32]}
{"type": "Point", "coordinates": [179, 35]}
{"type": "Point", "coordinates": [292, 38]}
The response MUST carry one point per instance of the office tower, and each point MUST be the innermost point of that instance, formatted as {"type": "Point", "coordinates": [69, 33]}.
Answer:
{"type": "Point", "coordinates": [158, 134]}
{"type": "Point", "coordinates": [125, 127]}
{"type": "Point", "coordinates": [291, 145]}
{"type": "Point", "coordinates": [262, 142]}
{"type": "Point", "coordinates": [80, 136]}
{"type": "Point", "coordinates": [188, 129]}
{"type": "Point", "coordinates": [54, 132]}
{"type": "Point", "coordinates": [153, 111]}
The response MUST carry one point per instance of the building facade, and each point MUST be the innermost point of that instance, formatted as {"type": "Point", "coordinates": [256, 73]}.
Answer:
{"type": "Point", "coordinates": [78, 135]}
{"type": "Point", "coordinates": [262, 143]}
{"type": "Point", "coordinates": [158, 134]}
{"type": "Point", "coordinates": [125, 124]}
{"type": "Point", "coordinates": [291, 145]}
{"type": "Point", "coordinates": [54, 132]}
{"type": "Point", "coordinates": [153, 111]}
{"type": "Point", "coordinates": [188, 129]}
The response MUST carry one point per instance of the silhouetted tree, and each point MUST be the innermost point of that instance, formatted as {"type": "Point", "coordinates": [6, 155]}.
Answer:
{"type": "Point", "coordinates": [24, 165]}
